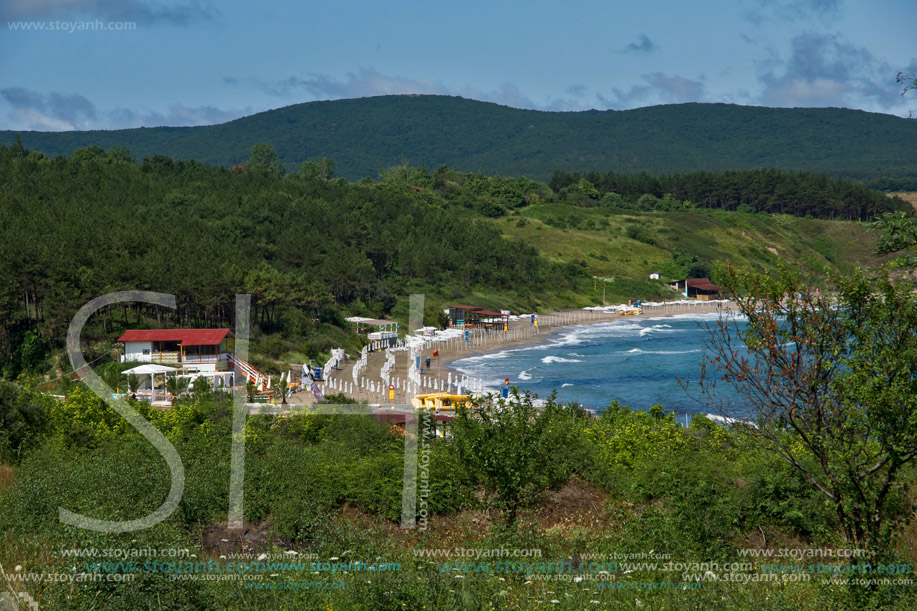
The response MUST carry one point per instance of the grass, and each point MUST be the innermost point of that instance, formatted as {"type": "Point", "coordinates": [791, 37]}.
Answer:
{"type": "Point", "coordinates": [332, 487]}
{"type": "Point", "coordinates": [605, 245]}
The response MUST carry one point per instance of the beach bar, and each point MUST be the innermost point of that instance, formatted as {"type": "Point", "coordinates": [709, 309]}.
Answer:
{"type": "Point", "coordinates": [699, 288]}
{"type": "Point", "coordinates": [490, 321]}
{"type": "Point", "coordinates": [458, 315]}
{"type": "Point", "coordinates": [380, 333]}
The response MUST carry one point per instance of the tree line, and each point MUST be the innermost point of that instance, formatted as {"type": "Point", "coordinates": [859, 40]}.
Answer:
{"type": "Point", "coordinates": [307, 246]}
{"type": "Point", "coordinates": [766, 190]}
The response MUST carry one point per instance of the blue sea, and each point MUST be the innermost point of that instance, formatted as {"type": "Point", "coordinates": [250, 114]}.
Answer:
{"type": "Point", "coordinates": [638, 362]}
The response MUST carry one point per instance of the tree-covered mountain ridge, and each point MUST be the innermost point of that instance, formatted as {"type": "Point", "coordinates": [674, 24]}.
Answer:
{"type": "Point", "coordinates": [366, 135]}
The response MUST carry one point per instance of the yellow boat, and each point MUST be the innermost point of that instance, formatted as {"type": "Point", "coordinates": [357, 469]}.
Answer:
{"type": "Point", "coordinates": [439, 401]}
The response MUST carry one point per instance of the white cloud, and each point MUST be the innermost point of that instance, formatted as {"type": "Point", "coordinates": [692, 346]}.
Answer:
{"type": "Point", "coordinates": [57, 111]}
{"type": "Point", "coordinates": [52, 111]}
{"type": "Point", "coordinates": [364, 83]}
{"type": "Point", "coordinates": [657, 88]}
{"type": "Point", "coordinates": [369, 82]}
{"type": "Point", "coordinates": [828, 70]}
{"type": "Point", "coordinates": [177, 116]}
{"type": "Point", "coordinates": [676, 88]}
{"type": "Point", "coordinates": [184, 12]}
{"type": "Point", "coordinates": [30, 119]}
{"type": "Point", "coordinates": [806, 92]}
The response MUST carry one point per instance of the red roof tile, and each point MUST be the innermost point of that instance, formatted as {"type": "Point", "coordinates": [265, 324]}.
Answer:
{"type": "Point", "coordinates": [186, 337]}
{"type": "Point", "coordinates": [703, 284]}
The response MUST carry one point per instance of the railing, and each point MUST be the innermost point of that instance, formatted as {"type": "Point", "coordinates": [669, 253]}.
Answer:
{"type": "Point", "coordinates": [175, 358]}
{"type": "Point", "coordinates": [204, 358]}
{"type": "Point", "coordinates": [261, 381]}
{"type": "Point", "coordinates": [165, 357]}
{"type": "Point", "coordinates": [380, 335]}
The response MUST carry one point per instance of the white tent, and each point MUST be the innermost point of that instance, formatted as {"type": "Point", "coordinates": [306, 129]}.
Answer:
{"type": "Point", "coordinates": [150, 370]}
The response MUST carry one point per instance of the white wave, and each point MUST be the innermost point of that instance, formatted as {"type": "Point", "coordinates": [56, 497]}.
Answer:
{"type": "Point", "coordinates": [701, 316]}
{"type": "Point", "coordinates": [489, 356]}
{"type": "Point", "coordinates": [524, 375]}
{"type": "Point", "coordinates": [656, 329]}
{"type": "Point", "coordinates": [639, 351]}
{"type": "Point", "coordinates": [582, 334]}
{"type": "Point", "coordinates": [566, 385]}
{"type": "Point", "coordinates": [559, 359]}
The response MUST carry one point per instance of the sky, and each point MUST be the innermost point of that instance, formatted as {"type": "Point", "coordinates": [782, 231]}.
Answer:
{"type": "Point", "coordinates": [110, 64]}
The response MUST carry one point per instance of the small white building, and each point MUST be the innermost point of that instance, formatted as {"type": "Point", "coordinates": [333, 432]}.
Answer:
{"type": "Point", "coordinates": [384, 336]}
{"type": "Point", "coordinates": [185, 353]}
{"type": "Point", "coordinates": [205, 350]}
{"type": "Point", "coordinates": [654, 276]}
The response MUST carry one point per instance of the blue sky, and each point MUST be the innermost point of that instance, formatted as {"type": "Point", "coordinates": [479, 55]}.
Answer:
{"type": "Point", "coordinates": [193, 62]}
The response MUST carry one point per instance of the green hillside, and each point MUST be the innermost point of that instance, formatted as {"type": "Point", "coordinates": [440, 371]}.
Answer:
{"type": "Point", "coordinates": [309, 250]}
{"type": "Point", "coordinates": [364, 136]}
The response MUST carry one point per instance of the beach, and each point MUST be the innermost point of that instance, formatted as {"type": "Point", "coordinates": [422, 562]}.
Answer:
{"type": "Point", "coordinates": [370, 387]}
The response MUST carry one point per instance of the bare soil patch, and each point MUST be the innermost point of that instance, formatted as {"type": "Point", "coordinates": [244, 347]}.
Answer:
{"type": "Point", "coordinates": [251, 538]}
{"type": "Point", "coordinates": [7, 475]}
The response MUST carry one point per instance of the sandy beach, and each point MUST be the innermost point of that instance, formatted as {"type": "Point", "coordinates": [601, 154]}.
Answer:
{"type": "Point", "coordinates": [371, 388]}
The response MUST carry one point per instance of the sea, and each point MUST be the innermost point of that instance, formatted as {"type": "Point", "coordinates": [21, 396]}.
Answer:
{"type": "Point", "coordinates": [638, 362]}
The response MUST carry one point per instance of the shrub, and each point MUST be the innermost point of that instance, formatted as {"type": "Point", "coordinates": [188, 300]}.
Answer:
{"type": "Point", "coordinates": [510, 447]}
{"type": "Point", "coordinates": [24, 415]}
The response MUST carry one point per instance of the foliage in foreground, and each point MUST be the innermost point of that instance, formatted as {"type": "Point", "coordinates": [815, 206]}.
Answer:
{"type": "Point", "coordinates": [831, 376]}
{"type": "Point", "coordinates": [331, 486]}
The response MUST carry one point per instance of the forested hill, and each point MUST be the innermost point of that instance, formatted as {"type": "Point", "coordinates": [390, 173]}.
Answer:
{"type": "Point", "coordinates": [311, 249]}
{"type": "Point", "coordinates": [364, 136]}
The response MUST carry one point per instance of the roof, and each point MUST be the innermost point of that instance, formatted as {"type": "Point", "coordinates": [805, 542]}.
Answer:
{"type": "Point", "coordinates": [185, 337]}
{"type": "Point", "coordinates": [370, 321]}
{"type": "Point", "coordinates": [703, 284]}
{"type": "Point", "coordinates": [486, 313]}
{"type": "Point", "coordinates": [461, 307]}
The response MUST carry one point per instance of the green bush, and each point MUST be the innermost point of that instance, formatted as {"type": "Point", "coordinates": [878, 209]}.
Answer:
{"type": "Point", "coordinates": [510, 449]}
{"type": "Point", "coordinates": [24, 416]}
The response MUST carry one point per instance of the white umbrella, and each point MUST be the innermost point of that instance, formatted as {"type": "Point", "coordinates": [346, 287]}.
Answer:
{"type": "Point", "coordinates": [150, 370]}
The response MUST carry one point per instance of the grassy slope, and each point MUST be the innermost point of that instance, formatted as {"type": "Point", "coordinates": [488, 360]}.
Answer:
{"type": "Point", "coordinates": [599, 240]}
{"type": "Point", "coordinates": [908, 196]}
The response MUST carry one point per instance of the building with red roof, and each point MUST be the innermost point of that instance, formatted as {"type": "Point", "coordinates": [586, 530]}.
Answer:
{"type": "Point", "coordinates": [459, 315]}
{"type": "Point", "coordinates": [200, 349]}
{"type": "Point", "coordinates": [700, 288]}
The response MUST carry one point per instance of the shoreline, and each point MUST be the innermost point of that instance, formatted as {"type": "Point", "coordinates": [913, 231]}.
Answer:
{"type": "Point", "coordinates": [520, 333]}
{"type": "Point", "coordinates": [544, 338]}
